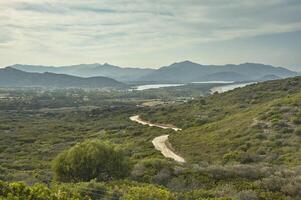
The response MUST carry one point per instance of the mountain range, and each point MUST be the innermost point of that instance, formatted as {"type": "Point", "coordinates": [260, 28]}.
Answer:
{"type": "Point", "coordinates": [89, 70]}
{"type": "Point", "coordinates": [10, 77]}
{"type": "Point", "coordinates": [185, 72]}
{"type": "Point", "coordinates": [188, 72]}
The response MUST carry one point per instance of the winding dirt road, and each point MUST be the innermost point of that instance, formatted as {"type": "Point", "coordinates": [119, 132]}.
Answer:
{"type": "Point", "coordinates": [161, 142]}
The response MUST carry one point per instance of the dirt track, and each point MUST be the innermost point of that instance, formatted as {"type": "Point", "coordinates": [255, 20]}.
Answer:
{"type": "Point", "coordinates": [160, 142]}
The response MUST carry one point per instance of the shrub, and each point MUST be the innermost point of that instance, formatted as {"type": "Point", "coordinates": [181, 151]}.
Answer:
{"type": "Point", "coordinates": [20, 191]}
{"type": "Point", "coordinates": [298, 131]}
{"type": "Point", "coordinates": [91, 159]}
{"type": "Point", "coordinates": [247, 195]}
{"type": "Point", "coordinates": [297, 120]}
{"type": "Point", "coordinates": [232, 156]}
{"type": "Point", "coordinates": [248, 158]}
{"type": "Point", "coordinates": [148, 193]}
{"type": "Point", "coordinates": [152, 171]}
{"type": "Point", "coordinates": [201, 120]}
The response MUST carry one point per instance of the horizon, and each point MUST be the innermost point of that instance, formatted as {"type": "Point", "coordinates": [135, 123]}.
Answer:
{"type": "Point", "coordinates": [141, 67]}
{"type": "Point", "coordinates": [150, 34]}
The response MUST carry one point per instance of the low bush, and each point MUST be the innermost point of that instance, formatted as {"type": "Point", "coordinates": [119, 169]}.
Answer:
{"type": "Point", "coordinates": [91, 159]}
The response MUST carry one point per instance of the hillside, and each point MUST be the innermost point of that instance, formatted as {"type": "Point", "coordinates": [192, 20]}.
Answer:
{"type": "Point", "coordinates": [10, 77]}
{"type": "Point", "coordinates": [89, 70]}
{"type": "Point", "coordinates": [243, 144]}
{"type": "Point", "coordinates": [189, 72]}
{"type": "Point", "coordinates": [258, 123]}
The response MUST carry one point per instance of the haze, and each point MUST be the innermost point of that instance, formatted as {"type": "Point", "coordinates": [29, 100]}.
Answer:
{"type": "Point", "coordinates": [150, 33]}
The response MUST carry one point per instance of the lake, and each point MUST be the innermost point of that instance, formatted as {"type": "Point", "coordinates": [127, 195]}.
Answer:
{"type": "Point", "coordinates": [219, 89]}
{"type": "Point", "coordinates": [155, 86]}
{"type": "Point", "coordinates": [225, 88]}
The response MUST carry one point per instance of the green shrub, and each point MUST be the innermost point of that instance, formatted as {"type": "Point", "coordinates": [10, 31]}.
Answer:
{"type": "Point", "coordinates": [20, 191]}
{"type": "Point", "coordinates": [247, 195]}
{"type": "Point", "coordinates": [232, 156]}
{"type": "Point", "coordinates": [298, 131]}
{"type": "Point", "coordinates": [152, 171]}
{"type": "Point", "coordinates": [91, 159]}
{"type": "Point", "coordinates": [297, 120]}
{"type": "Point", "coordinates": [148, 193]}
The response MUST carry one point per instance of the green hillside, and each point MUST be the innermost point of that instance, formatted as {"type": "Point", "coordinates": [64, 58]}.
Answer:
{"type": "Point", "coordinates": [258, 123]}
{"type": "Point", "coordinates": [239, 145]}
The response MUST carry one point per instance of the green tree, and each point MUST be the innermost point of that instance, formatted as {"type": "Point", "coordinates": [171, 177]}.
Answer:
{"type": "Point", "coordinates": [89, 160]}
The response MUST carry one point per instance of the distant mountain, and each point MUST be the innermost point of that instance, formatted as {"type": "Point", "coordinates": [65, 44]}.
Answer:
{"type": "Point", "coordinates": [269, 78]}
{"type": "Point", "coordinates": [188, 71]}
{"type": "Point", "coordinates": [185, 71]}
{"type": "Point", "coordinates": [224, 76]}
{"type": "Point", "coordinates": [90, 70]}
{"type": "Point", "coordinates": [10, 77]}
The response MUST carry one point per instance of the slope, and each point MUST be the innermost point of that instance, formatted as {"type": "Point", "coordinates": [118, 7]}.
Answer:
{"type": "Point", "coordinates": [258, 123]}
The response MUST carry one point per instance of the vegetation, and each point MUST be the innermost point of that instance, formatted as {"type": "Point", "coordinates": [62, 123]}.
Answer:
{"type": "Point", "coordinates": [240, 145]}
{"type": "Point", "coordinates": [91, 160]}
{"type": "Point", "coordinates": [258, 123]}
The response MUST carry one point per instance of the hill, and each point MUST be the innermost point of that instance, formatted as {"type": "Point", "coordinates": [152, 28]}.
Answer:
{"type": "Point", "coordinates": [259, 123]}
{"type": "Point", "coordinates": [10, 77]}
{"type": "Point", "coordinates": [189, 72]}
{"type": "Point", "coordinates": [185, 71]}
{"type": "Point", "coordinates": [89, 70]}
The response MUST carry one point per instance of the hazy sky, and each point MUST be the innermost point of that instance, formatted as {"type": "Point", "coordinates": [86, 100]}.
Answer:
{"type": "Point", "coordinates": [150, 33]}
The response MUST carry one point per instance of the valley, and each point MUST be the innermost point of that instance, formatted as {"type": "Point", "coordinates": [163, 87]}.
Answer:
{"type": "Point", "coordinates": [243, 139]}
{"type": "Point", "coordinates": [150, 100]}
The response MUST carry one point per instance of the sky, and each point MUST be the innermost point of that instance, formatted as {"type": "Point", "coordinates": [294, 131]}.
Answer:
{"type": "Point", "coordinates": [150, 33]}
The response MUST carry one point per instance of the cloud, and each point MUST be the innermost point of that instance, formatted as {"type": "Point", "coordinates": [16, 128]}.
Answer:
{"type": "Point", "coordinates": [121, 27]}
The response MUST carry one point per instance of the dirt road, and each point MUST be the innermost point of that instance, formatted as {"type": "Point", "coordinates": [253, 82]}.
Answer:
{"type": "Point", "coordinates": [160, 142]}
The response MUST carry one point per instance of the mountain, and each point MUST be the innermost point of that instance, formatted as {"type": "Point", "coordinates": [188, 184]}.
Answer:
{"type": "Point", "coordinates": [189, 72]}
{"type": "Point", "coordinates": [269, 77]}
{"type": "Point", "coordinates": [224, 76]}
{"type": "Point", "coordinates": [10, 77]}
{"type": "Point", "coordinates": [89, 70]}
{"type": "Point", "coordinates": [185, 71]}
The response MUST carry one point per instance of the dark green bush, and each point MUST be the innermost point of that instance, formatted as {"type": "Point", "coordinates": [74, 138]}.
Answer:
{"type": "Point", "coordinates": [91, 159]}
{"type": "Point", "coordinates": [298, 131]}
{"type": "Point", "coordinates": [152, 171]}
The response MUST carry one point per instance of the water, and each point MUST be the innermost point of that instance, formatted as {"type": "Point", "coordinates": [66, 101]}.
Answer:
{"type": "Point", "coordinates": [206, 82]}
{"type": "Point", "coordinates": [225, 88]}
{"type": "Point", "coordinates": [155, 86]}
{"type": "Point", "coordinates": [219, 89]}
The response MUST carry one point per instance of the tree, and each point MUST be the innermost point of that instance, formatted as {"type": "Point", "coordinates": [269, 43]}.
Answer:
{"type": "Point", "coordinates": [89, 160]}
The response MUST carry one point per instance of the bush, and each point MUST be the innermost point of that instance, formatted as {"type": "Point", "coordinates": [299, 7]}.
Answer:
{"type": "Point", "coordinates": [91, 159]}
{"type": "Point", "coordinates": [149, 193]}
{"type": "Point", "coordinates": [20, 191]}
{"type": "Point", "coordinates": [232, 156]}
{"type": "Point", "coordinates": [247, 195]}
{"type": "Point", "coordinates": [297, 120]}
{"type": "Point", "coordinates": [298, 131]}
{"type": "Point", "coordinates": [152, 171]}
